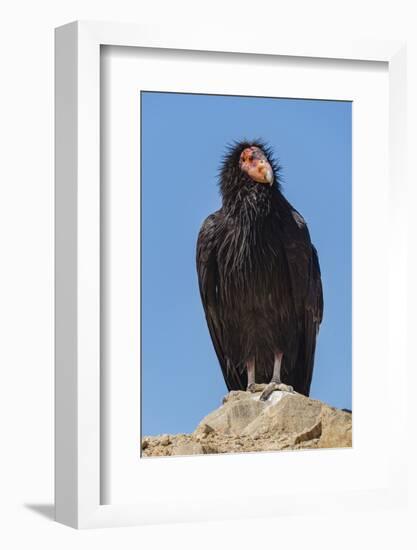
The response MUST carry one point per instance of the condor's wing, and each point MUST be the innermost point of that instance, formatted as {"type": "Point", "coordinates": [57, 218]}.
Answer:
{"type": "Point", "coordinates": [304, 270]}
{"type": "Point", "coordinates": [208, 280]}
{"type": "Point", "coordinates": [313, 314]}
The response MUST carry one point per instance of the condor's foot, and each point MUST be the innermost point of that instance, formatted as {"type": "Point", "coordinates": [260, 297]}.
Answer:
{"type": "Point", "coordinates": [274, 386]}
{"type": "Point", "coordinates": [254, 388]}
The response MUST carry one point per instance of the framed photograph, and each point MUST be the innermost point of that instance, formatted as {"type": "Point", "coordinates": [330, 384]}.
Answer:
{"type": "Point", "coordinates": [246, 275]}
{"type": "Point", "coordinates": [228, 212]}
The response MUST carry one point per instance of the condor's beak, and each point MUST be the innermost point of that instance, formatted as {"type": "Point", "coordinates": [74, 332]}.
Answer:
{"type": "Point", "coordinates": [265, 170]}
{"type": "Point", "coordinates": [255, 164]}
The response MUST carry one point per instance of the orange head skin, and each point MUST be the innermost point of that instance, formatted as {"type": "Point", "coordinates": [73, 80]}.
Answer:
{"type": "Point", "coordinates": [256, 165]}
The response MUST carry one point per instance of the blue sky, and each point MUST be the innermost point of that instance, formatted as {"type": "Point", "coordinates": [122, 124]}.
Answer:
{"type": "Point", "coordinates": [183, 139]}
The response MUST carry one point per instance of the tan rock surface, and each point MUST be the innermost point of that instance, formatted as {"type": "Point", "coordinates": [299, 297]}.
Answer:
{"type": "Point", "coordinates": [244, 423]}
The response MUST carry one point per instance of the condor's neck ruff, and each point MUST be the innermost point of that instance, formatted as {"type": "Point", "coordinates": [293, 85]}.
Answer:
{"type": "Point", "coordinates": [249, 202]}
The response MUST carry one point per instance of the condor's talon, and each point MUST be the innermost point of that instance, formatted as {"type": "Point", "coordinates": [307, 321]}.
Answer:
{"type": "Point", "coordinates": [286, 387]}
{"type": "Point", "coordinates": [275, 386]}
{"type": "Point", "coordinates": [271, 387]}
{"type": "Point", "coordinates": [255, 388]}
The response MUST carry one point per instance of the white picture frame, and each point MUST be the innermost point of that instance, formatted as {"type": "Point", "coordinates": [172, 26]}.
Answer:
{"type": "Point", "coordinates": [78, 293]}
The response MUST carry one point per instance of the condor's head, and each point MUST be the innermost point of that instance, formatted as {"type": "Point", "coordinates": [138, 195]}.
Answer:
{"type": "Point", "coordinates": [248, 170]}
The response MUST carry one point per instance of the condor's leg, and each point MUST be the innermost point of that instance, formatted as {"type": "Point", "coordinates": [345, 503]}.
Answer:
{"type": "Point", "coordinates": [252, 386]}
{"type": "Point", "coordinates": [276, 383]}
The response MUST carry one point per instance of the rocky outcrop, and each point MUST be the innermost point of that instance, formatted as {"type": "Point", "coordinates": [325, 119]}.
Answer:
{"type": "Point", "coordinates": [244, 423]}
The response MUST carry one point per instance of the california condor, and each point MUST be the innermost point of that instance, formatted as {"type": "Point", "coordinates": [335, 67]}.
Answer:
{"type": "Point", "coordinates": [259, 278]}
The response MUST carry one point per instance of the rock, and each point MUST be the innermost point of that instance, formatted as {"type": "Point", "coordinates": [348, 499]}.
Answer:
{"type": "Point", "coordinates": [234, 415]}
{"type": "Point", "coordinates": [203, 430]}
{"type": "Point", "coordinates": [293, 413]}
{"type": "Point", "coordinates": [337, 428]}
{"type": "Point", "coordinates": [188, 449]}
{"type": "Point", "coordinates": [164, 441]}
{"type": "Point", "coordinates": [310, 433]}
{"type": "Point", "coordinates": [244, 423]}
